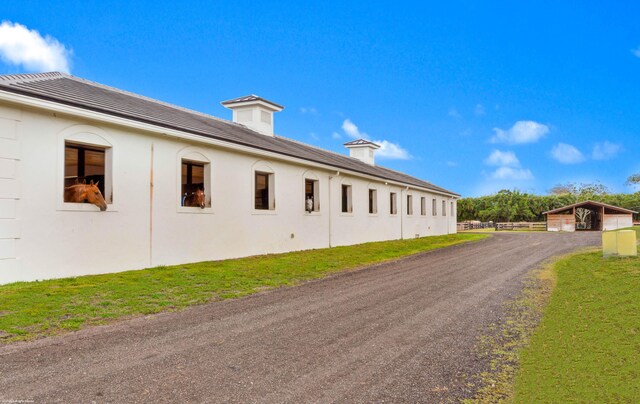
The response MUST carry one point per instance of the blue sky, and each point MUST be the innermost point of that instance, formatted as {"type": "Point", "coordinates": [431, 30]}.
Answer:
{"type": "Point", "coordinates": [473, 97]}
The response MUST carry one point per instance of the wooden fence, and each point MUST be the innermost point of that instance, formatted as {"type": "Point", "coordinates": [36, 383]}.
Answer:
{"type": "Point", "coordinates": [475, 225]}
{"type": "Point", "coordinates": [533, 226]}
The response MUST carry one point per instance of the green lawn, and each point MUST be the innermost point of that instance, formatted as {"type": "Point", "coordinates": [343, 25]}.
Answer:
{"type": "Point", "coordinates": [34, 309]}
{"type": "Point", "coordinates": [587, 346]}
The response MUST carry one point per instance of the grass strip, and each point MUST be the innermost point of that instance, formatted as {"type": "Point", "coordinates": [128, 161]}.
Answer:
{"type": "Point", "coordinates": [587, 347]}
{"type": "Point", "coordinates": [573, 335]}
{"type": "Point", "coordinates": [505, 342]}
{"type": "Point", "coordinates": [35, 309]}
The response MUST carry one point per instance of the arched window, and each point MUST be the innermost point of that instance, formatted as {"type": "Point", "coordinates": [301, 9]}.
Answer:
{"type": "Point", "coordinates": [409, 204]}
{"type": "Point", "coordinates": [373, 198]}
{"type": "Point", "coordinates": [194, 188]}
{"type": "Point", "coordinates": [264, 187]}
{"type": "Point", "coordinates": [311, 192]}
{"type": "Point", "coordinates": [86, 156]}
{"type": "Point", "coordinates": [346, 196]}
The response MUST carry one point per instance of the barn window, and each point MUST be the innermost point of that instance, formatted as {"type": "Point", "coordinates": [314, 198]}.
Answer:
{"type": "Point", "coordinates": [311, 195]}
{"type": "Point", "coordinates": [423, 206]}
{"type": "Point", "coordinates": [393, 203]}
{"type": "Point", "coordinates": [434, 207]}
{"type": "Point", "coordinates": [409, 205]}
{"type": "Point", "coordinates": [264, 191]}
{"type": "Point", "coordinates": [194, 177]}
{"type": "Point", "coordinates": [347, 206]}
{"type": "Point", "coordinates": [373, 201]}
{"type": "Point", "coordinates": [444, 208]}
{"type": "Point", "coordinates": [453, 213]}
{"type": "Point", "coordinates": [86, 163]}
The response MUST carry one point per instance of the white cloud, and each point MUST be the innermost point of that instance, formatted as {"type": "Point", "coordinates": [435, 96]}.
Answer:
{"type": "Point", "coordinates": [567, 154]}
{"type": "Point", "coordinates": [309, 110]}
{"type": "Point", "coordinates": [479, 110]}
{"type": "Point", "coordinates": [454, 113]}
{"type": "Point", "coordinates": [352, 130]}
{"type": "Point", "coordinates": [509, 169]}
{"type": "Point", "coordinates": [451, 163]}
{"type": "Point", "coordinates": [636, 52]}
{"type": "Point", "coordinates": [511, 173]}
{"type": "Point", "coordinates": [605, 150]}
{"type": "Point", "coordinates": [521, 132]}
{"type": "Point", "coordinates": [22, 46]}
{"type": "Point", "coordinates": [387, 149]}
{"type": "Point", "coordinates": [390, 150]}
{"type": "Point", "coordinates": [500, 158]}
{"type": "Point", "coordinates": [336, 135]}
{"type": "Point", "coordinates": [314, 136]}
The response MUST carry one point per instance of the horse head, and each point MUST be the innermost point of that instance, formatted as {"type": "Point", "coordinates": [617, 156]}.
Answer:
{"type": "Point", "coordinates": [94, 196]}
{"type": "Point", "coordinates": [199, 198]}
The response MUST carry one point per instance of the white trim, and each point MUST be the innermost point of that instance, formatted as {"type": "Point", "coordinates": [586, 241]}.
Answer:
{"type": "Point", "coordinates": [130, 123]}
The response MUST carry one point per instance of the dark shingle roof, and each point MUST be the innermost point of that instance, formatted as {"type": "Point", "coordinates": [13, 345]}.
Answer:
{"type": "Point", "coordinates": [69, 90]}
{"type": "Point", "coordinates": [250, 97]}
{"type": "Point", "coordinates": [361, 142]}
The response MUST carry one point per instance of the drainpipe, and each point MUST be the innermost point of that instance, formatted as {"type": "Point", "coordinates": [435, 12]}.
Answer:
{"type": "Point", "coordinates": [330, 203]}
{"type": "Point", "coordinates": [402, 203]}
{"type": "Point", "coordinates": [151, 210]}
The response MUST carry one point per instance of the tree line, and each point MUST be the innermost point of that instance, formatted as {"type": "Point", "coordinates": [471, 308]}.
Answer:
{"type": "Point", "coordinates": [516, 206]}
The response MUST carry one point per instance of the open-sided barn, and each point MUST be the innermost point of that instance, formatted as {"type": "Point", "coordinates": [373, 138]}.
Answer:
{"type": "Point", "coordinates": [589, 215]}
{"type": "Point", "coordinates": [253, 192]}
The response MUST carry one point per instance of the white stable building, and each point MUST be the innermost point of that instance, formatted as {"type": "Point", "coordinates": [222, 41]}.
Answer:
{"type": "Point", "coordinates": [264, 193]}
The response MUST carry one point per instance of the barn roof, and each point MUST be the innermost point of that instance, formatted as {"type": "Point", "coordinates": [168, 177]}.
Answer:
{"type": "Point", "coordinates": [584, 203]}
{"type": "Point", "coordinates": [74, 91]}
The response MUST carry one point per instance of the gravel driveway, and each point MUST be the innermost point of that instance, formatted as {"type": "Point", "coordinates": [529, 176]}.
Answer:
{"type": "Point", "coordinates": [403, 331]}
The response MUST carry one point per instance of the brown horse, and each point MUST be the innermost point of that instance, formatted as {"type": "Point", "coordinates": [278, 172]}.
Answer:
{"type": "Point", "coordinates": [81, 193]}
{"type": "Point", "coordinates": [196, 199]}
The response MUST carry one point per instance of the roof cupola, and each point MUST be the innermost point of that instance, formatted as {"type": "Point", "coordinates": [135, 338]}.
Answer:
{"type": "Point", "coordinates": [362, 150]}
{"type": "Point", "coordinates": [254, 112]}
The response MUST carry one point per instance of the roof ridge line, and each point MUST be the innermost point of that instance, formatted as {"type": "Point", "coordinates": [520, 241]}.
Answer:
{"type": "Point", "coordinates": [30, 77]}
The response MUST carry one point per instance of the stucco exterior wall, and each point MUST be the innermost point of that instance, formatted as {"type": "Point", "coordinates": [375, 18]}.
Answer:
{"type": "Point", "coordinates": [559, 222]}
{"type": "Point", "coordinates": [615, 222]}
{"type": "Point", "coordinates": [42, 237]}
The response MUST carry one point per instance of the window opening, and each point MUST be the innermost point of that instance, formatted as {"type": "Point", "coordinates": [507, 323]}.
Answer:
{"type": "Point", "coordinates": [393, 207]}
{"type": "Point", "coordinates": [373, 201]}
{"type": "Point", "coordinates": [346, 199]}
{"type": "Point", "coordinates": [84, 165]}
{"type": "Point", "coordinates": [193, 190]}
{"type": "Point", "coordinates": [263, 195]}
{"type": "Point", "coordinates": [311, 195]}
